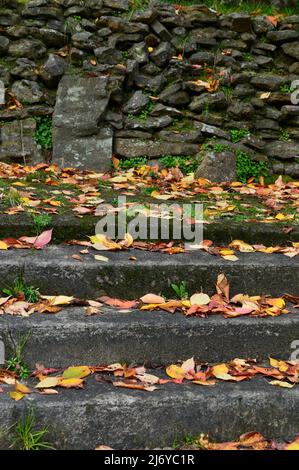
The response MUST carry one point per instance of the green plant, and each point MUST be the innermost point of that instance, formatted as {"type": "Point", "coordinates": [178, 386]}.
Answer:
{"type": "Point", "coordinates": [31, 293]}
{"type": "Point", "coordinates": [247, 168]}
{"type": "Point", "coordinates": [148, 191]}
{"type": "Point", "coordinates": [187, 164]}
{"type": "Point", "coordinates": [133, 162]}
{"type": "Point", "coordinates": [248, 57]}
{"type": "Point", "coordinates": [143, 115]}
{"type": "Point", "coordinates": [41, 221]}
{"type": "Point", "coordinates": [284, 135]}
{"type": "Point", "coordinates": [16, 363]}
{"type": "Point", "coordinates": [287, 88]}
{"type": "Point", "coordinates": [228, 91]}
{"type": "Point", "coordinates": [12, 198]}
{"type": "Point", "coordinates": [43, 133]}
{"type": "Point", "coordinates": [27, 438]}
{"type": "Point", "coordinates": [238, 134]}
{"type": "Point", "coordinates": [181, 290]}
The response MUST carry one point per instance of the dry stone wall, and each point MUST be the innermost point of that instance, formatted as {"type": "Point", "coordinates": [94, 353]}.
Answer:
{"type": "Point", "coordinates": [153, 82]}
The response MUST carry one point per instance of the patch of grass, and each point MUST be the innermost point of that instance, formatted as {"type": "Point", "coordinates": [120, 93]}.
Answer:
{"type": "Point", "coordinates": [43, 133]}
{"type": "Point", "coordinates": [148, 191]}
{"type": "Point", "coordinates": [247, 168]}
{"type": "Point", "coordinates": [41, 222]}
{"type": "Point", "coordinates": [187, 164]}
{"type": "Point", "coordinates": [133, 163]}
{"type": "Point", "coordinates": [31, 293]}
{"type": "Point", "coordinates": [29, 438]}
{"type": "Point", "coordinates": [238, 134]}
{"type": "Point", "coordinates": [181, 290]}
{"type": "Point", "coordinates": [12, 198]}
{"type": "Point", "coordinates": [228, 91]}
{"type": "Point", "coordinates": [16, 363]}
{"type": "Point", "coordinates": [284, 135]}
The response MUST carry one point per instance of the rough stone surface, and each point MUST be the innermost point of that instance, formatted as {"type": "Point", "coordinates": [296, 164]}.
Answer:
{"type": "Point", "coordinates": [157, 339]}
{"type": "Point", "coordinates": [78, 140]}
{"type": "Point", "coordinates": [292, 49]}
{"type": "Point", "coordinates": [17, 141]}
{"type": "Point", "coordinates": [53, 70]}
{"type": "Point", "coordinates": [89, 279]}
{"type": "Point", "coordinates": [27, 91]}
{"type": "Point", "coordinates": [135, 147]}
{"type": "Point", "coordinates": [136, 103]}
{"type": "Point", "coordinates": [218, 167]}
{"type": "Point", "coordinates": [282, 150]}
{"type": "Point", "coordinates": [187, 409]}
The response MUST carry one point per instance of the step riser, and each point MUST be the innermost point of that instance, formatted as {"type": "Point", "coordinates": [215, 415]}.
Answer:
{"type": "Point", "coordinates": [55, 272]}
{"type": "Point", "coordinates": [129, 419]}
{"type": "Point", "coordinates": [68, 227]}
{"type": "Point", "coordinates": [153, 338]}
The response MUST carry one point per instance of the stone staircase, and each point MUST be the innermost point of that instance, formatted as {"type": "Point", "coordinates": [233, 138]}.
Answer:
{"type": "Point", "coordinates": [124, 418]}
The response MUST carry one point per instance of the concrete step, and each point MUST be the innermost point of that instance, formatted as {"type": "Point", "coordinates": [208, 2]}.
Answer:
{"type": "Point", "coordinates": [151, 338]}
{"type": "Point", "coordinates": [130, 419]}
{"type": "Point", "coordinates": [54, 271]}
{"type": "Point", "coordinates": [67, 226]}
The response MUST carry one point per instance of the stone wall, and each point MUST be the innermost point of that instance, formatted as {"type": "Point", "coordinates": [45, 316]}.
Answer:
{"type": "Point", "coordinates": [159, 81]}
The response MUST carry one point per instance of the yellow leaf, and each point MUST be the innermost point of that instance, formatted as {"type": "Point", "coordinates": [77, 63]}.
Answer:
{"type": "Point", "coordinates": [164, 197]}
{"type": "Point", "coordinates": [16, 395]}
{"type": "Point", "coordinates": [200, 299]}
{"type": "Point", "coordinates": [70, 383]}
{"type": "Point", "coordinates": [22, 388]}
{"type": "Point", "coordinates": [3, 245]}
{"type": "Point", "coordinates": [58, 300]}
{"type": "Point", "coordinates": [203, 382]}
{"type": "Point", "coordinates": [175, 372]}
{"type": "Point", "coordinates": [77, 372]}
{"type": "Point", "coordinates": [293, 445]}
{"type": "Point", "coordinates": [49, 382]}
{"type": "Point", "coordinates": [242, 246]}
{"type": "Point", "coordinates": [279, 302]}
{"type": "Point", "coordinates": [281, 365]}
{"type": "Point", "coordinates": [281, 217]}
{"type": "Point", "coordinates": [219, 370]}
{"type": "Point", "coordinates": [280, 383]}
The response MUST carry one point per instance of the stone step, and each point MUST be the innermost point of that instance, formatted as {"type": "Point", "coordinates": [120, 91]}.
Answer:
{"type": "Point", "coordinates": [55, 271]}
{"type": "Point", "coordinates": [67, 227]}
{"type": "Point", "coordinates": [130, 419]}
{"type": "Point", "coordinates": [151, 338]}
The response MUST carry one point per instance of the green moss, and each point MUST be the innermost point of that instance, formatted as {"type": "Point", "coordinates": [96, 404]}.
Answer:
{"type": "Point", "coordinates": [238, 134]}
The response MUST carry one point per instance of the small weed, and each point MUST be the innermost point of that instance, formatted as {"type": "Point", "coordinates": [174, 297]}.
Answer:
{"type": "Point", "coordinates": [228, 91]}
{"type": "Point", "coordinates": [41, 222]}
{"type": "Point", "coordinates": [16, 363]}
{"type": "Point", "coordinates": [238, 134]}
{"type": "Point", "coordinates": [43, 133]}
{"type": "Point", "coordinates": [30, 293]}
{"type": "Point", "coordinates": [248, 57]}
{"type": "Point", "coordinates": [247, 168]}
{"type": "Point", "coordinates": [27, 438]}
{"type": "Point", "coordinates": [133, 163]}
{"type": "Point", "coordinates": [181, 290]}
{"type": "Point", "coordinates": [187, 164]}
{"type": "Point", "coordinates": [12, 198]}
{"type": "Point", "coordinates": [148, 191]}
{"type": "Point", "coordinates": [284, 135]}
{"type": "Point", "coordinates": [287, 88]}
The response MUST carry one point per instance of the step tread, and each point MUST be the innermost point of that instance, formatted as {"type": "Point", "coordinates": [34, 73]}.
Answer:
{"type": "Point", "coordinates": [154, 337]}
{"type": "Point", "coordinates": [129, 418]}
